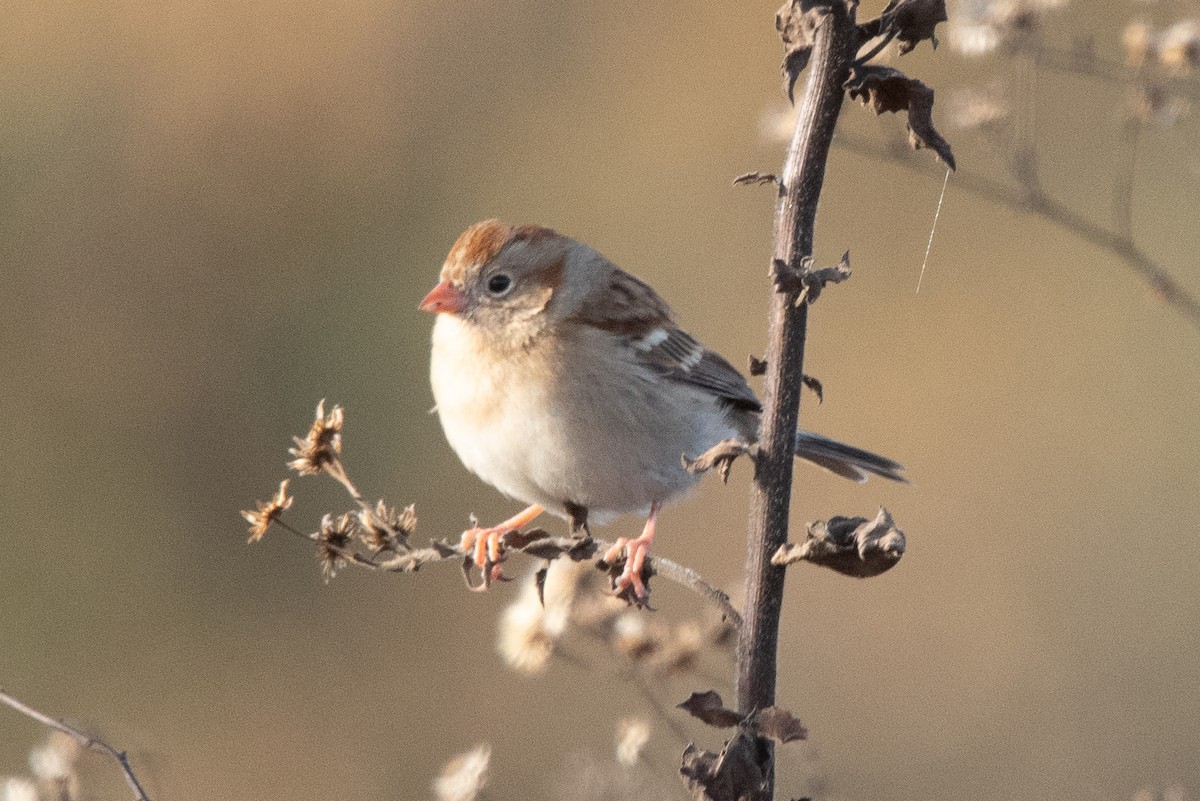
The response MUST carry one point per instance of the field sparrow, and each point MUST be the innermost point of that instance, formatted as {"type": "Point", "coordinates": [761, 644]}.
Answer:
{"type": "Point", "coordinates": [564, 382]}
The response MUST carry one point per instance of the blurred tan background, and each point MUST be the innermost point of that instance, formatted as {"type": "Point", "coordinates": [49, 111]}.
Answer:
{"type": "Point", "coordinates": [214, 214]}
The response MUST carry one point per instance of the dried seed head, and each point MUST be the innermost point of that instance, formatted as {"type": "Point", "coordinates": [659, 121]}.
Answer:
{"type": "Point", "coordinates": [385, 528]}
{"type": "Point", "coordinates": [979, 26]}
{"type": "Point", "coordinates": [333, 540]}
{"type": "Point", "coordinates": [323, 444]}
{"type": "Point", "coordinates": [464, 777]}
{"type": "Point", "coordinates": [633, 637]}
{"type": "Point", "coordinates": [1152, 103]}
{"type": "Point", "coordinates": [525, 640]}
{"type": "Point", "coordinates": [267, 512]}
{"type": "Point", "coordinates": [632, 736]}
{"type": "Point", "coordinates": [1138, 40]}
{"type": "Point", "coordinates": [973, 109]}
{"type": "Point", "coordinates": [1179, 46]}
{"type": "Point", "coordinates": [680, 650]}
{"type": "Point", "coordinates": [18, 789]}
{"type": "Point", "coordinates": [56, 758]}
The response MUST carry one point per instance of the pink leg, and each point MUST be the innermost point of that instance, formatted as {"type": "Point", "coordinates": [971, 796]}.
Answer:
{"type": "Point", "coordinates": [486, 548]}
{"type": "Point", "coordinates": [635, 558]}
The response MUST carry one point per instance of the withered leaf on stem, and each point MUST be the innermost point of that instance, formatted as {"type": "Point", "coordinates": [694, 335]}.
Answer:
{"type": "Point", "coordinates": [708, 707]}
{"type": "Point", "coordinates": [797, 21]}
{"type": "Point", "coordinates": [720, 456]}
{"type": "Point", "coordinates": [915, 20]}
{"type": "Point", "coordinates": [807, 279]}
{"type": "Point", "coordinates": [886, 89]}
{"type": "Point", "coordinates": [780, 725]}
{"type": "Point", "coordinates": [739, 773]}
{"type": "Point", "coordinates": [756, 178]}
{"type": "Point", "coordinates": [774, 722]}
{"type": "Point", "coordinates": [814, 384]}
{"type": "Point", "coordinates": [816, 279]}
{"type": "Point", "coordinates": [759, 367]}
{"type": "Point", "coordinates": [853, 546]}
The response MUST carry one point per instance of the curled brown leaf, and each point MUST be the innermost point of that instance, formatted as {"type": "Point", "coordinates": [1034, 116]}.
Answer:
{"type": "Point", "coordinates": [853, 546]}
{"type": "Point", "coordinates": [797, 22]}
{"type": "Point", "coordinates": [708, 707]}
{"type": "Point", "coordinates": [720, 456]}
{"type": "Point", "coordinates": [886, 89]}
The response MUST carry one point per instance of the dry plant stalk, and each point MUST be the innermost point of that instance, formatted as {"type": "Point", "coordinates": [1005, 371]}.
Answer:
{"type": "Point", "coordinates": [84, 740]}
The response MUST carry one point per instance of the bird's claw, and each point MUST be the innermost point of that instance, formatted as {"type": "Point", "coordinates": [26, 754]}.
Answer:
{"type": "Point", "coordinates": [484, 548]}
{"type": "Point", "coordinates": [629, 584]}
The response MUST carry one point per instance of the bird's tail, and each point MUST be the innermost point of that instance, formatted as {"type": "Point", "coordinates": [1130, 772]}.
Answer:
{"type": "Point", "coordinates": [845, 460]}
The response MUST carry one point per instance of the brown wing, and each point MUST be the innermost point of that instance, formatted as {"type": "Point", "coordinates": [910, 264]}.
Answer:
{"type": "Point", "coordinates": [636, 313]}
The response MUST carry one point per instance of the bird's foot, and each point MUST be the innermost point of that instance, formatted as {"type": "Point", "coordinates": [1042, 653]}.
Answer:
{"type": "Point", "coordinates": [631, 583]}
{"type": "Point", "coordinates": [484, 547]}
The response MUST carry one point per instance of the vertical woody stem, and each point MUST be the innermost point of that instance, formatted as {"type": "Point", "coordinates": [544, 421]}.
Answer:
{"type": "Point", "coordinates": [795, 216]}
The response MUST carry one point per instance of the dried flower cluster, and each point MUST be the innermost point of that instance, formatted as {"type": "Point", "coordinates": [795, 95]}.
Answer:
{"type": "Point", "coordinates": [1175, 48]}
{"type": "Point", "coordinates": [322, 447]}
{"type": "Point", "coordinates": [979, 109]}
{"type": "Point", "coordinates": [53, 768]}
{"type": "Point", "coordinates": [464, 777]}
{"type": "Point", "coordinates": [978, 27]}
{"type": "Point", "coordinates": [267, 512]}
{"type": "Point", "coordinates": [374, 536]}
{"type": "Point", "coordinates": [575, 601]}
{"type": "Point", "coordinates": [633, 734]}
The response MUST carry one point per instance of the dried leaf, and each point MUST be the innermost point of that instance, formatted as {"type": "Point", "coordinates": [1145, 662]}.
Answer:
{"type": "Point", "coordinates": [814, 385]}
{"type": "Point", "coordinates": [797, 22]}
{"type": "Point", "coordinates": [816, 279]}
{"type": "Point", "coordinates": [720, 456]}
{"type": "Point", "coordinates": [709, 707]}
{"type": "Point", "coordinates": [853, 546]}
{"type": "Point", "coordinates": [780, 725]}
{"type": "Point", "coordinates": [915, 20]}
{"type": "Point", "coordinates": [756, 178]}
{"type": "Point", "coordinates": [539, 581]}
{"type": "Point", "coordinates": [739, 773]}
{"type": "Point", "coordinates": [886, 89]}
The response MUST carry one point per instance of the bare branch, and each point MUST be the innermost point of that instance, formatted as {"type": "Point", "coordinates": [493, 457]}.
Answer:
{"type": "Point", "coordinates": [86, 740]}
{"type": "Point", "coordinates": [1040, 204]}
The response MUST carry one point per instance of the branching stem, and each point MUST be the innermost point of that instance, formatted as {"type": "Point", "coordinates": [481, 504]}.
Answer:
{"type": "Point", "coordinates": [87, 741]}
{"type": "Point", "coordinates": [799, 190]}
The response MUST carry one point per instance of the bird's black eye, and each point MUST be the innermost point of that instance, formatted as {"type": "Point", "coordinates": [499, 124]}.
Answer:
{"type": "Point", "coordinates": [499, 283]}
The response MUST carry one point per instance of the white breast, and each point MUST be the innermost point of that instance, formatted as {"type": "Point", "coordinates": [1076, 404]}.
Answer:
{"type": "Point", "coordinates": [578, 421]}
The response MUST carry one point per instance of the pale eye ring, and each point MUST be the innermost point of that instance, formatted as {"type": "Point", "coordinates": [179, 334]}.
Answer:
{"type": "Point", "coordinates": [499, 284]}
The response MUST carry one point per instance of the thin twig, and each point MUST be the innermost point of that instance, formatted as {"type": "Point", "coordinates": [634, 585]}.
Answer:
{"type": "Point", "coordinates": [669, 569]}
{"type": "Point", "coordinates": [1112, 72]}
{"type": "Point", "coordinates": [1170, 290]}
{"type": "Point", "coordinates": [86, 740]}
{"type": "Point", "coordinates": [878, 48]}
{"type": "Point", "coordinates": [1123, 185]}
{"type": "Point", "coordinates": [687, 577]}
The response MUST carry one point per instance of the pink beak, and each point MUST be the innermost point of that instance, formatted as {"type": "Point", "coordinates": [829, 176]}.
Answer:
{"type": "Point", "coordinates": [445, 298]}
